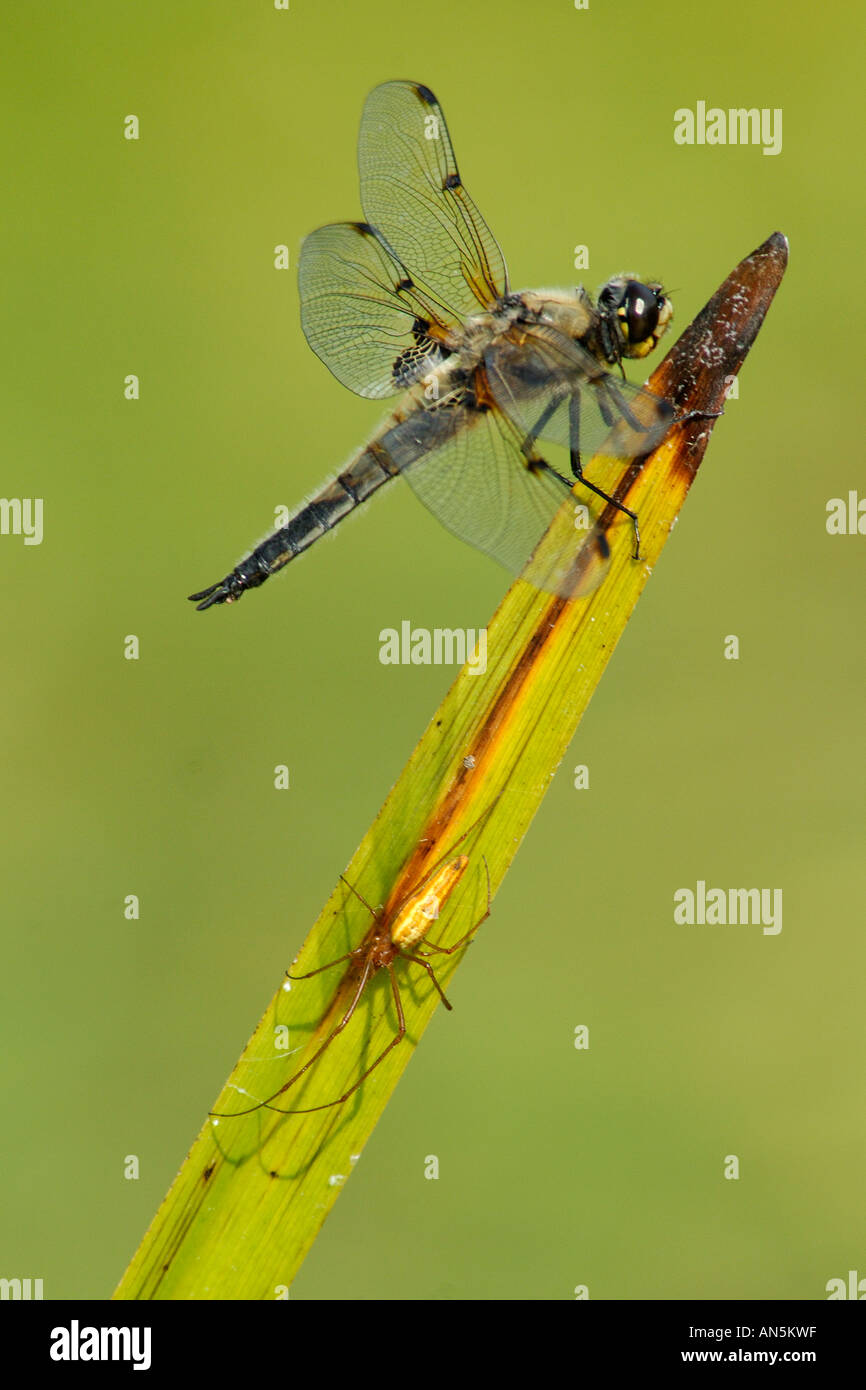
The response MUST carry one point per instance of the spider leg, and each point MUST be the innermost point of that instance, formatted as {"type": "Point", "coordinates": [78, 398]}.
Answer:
{"type": "Point", "coordinates": [362, 984]}
{"type": "Point", "coordinates": [398, 1036]}
{"type": "Point", "coordinates": [425, 965]}
{"type": "Point", "coordinates": [319, 968]}
{"type": "Point", "coordinates": [449, 950]}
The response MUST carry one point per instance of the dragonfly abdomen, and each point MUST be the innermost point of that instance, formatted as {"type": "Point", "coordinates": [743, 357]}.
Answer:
{"type": "Point", "coordinates": [364, 475]}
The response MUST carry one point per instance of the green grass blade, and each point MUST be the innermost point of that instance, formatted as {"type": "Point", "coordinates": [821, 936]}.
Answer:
{"type": "Point", "coordinates": [254, 1190]}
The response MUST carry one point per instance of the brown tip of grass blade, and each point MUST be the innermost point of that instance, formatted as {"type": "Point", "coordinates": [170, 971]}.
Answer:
{"type": "Point", "coordinates": [697, 372]}
{"type": "Point", "coordinates": [694, 378]}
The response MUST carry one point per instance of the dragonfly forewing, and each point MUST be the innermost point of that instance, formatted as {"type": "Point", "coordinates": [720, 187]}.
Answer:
{"type": "Point", "coordinates": [412, 192]}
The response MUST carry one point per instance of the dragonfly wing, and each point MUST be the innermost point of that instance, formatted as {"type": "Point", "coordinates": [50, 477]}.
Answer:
{"type": "Point", "coordinates": [362, 314]}
{"type": "Point", "coordinates": [482, 487]}
{"type": "Point", "coordinates": [552, 388]}
{"type": "Point", "coordinates": [412, 193]}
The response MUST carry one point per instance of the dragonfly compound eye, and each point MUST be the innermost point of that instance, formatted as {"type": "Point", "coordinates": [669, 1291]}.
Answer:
{"type": "Point", "coordinates": [636, 312]}
{"type": "Point", "coordinates": [639, 312]}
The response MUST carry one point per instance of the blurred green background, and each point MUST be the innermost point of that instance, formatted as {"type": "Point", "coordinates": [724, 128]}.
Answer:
{"type": "Point", "coordinates": [154, 776]}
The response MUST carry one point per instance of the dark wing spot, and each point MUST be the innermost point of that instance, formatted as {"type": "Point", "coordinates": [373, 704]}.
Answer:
{"type": "Point", "coordinates": [453, 181]}
{"type": "Point", "coordinates": [414, 362]}
{"type": "Point", "coordinates": [404, 284]}
{"type": "Point", "coordinates": [364, 228]}
{"type": "Point", "coordinates": [425, 94]}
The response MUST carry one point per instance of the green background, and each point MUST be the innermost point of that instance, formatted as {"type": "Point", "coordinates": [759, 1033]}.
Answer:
{"type": "Point", "coordinates": [154, 776]}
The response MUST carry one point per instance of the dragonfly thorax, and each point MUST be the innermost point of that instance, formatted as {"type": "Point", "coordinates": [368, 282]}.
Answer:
{"type": "Point", "coordinates": [477, 332]}
{"type": "Point", "coordinates": [627, 321]}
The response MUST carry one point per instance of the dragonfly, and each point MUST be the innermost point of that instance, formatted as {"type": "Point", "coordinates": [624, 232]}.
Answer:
{"type": "Point", "coordinates": [415, 301]}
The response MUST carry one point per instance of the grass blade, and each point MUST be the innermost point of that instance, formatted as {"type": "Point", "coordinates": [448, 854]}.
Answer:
{"type": "Point", "coordinates": [254, 1191]}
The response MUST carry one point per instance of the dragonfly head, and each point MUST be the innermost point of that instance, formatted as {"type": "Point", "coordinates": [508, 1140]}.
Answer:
{"type": "Point", "coordinates": [637, 313]}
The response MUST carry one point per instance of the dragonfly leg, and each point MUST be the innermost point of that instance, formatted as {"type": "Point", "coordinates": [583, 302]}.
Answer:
{"type": "Point", "coordinates": [528, 445]}
{"type": "Point", "coordinates": [622, 406]}
{"type": "Point", "coordinates": [577, 469]}
{"type": "Point", "coordinates": [697, 415]}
